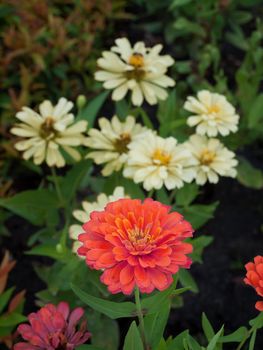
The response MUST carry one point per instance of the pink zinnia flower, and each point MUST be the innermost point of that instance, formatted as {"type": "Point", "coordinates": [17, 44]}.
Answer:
{"type": "Point", "coordinates": [254, 278]}
{"type": "Point", "coordinates": [136, 244]}
{"type": "Point", "coordinates": [53, 328]}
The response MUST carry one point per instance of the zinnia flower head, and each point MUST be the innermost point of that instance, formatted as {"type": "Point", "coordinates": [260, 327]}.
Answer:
{"type": "Point", "coordinates": [49, 131]}
{"type": "Point", "coordinates": [157, 161]}
{"type": "Point", "coordinates": [139, 69]}
{"type": "Point", "coordinates": [136, 244]}
{"type": "Point", "coordinates": [88, 207]}
{"type": "Point", "coordinates": [212, 159]}
{"type": "Point", "coordinates": [53, 328]}
{"type": "Point", "coordinates": [254, 278]}
{"type": "Point", "coordinates": [212, 114]}
{"type": "Point", "coordinates": [111, 142]}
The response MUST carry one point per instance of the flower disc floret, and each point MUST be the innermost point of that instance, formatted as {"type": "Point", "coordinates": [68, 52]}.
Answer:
{"type": "Point", "coordinates": [254, 278]}
{"type": "Point", "coordinates": [136, 244]}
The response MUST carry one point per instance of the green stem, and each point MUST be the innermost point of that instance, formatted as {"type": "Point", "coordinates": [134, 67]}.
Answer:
{"type": "Point", "coordinates": [244, 340]}
{"type": "Point", "coordinates": [140, 316]}
{"type": "Point", "coordinates": [57, 187]}
{"type": "Point", "coordinates": [172, 195]}
{"type": "Point", "coordinates": [150, 194]}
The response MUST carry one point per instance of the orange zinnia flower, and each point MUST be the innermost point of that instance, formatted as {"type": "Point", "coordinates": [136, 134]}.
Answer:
{"type": "Point", "coordinates": [254, 278]}
{"type": "Point", "coordinates": [136, 244]}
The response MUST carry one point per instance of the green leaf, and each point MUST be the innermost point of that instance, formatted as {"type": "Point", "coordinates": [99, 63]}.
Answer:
{"type": "Point", "coordinates": [178, 342]}
{"type": "Point", "coordinates": [214, 340]}
{"type": "Point", "coordinates": [133, 339]}
{"type": "Point", "coordinates": [4, 298]}
{"type": "Point", "coordinates": [162, 196]}
{"type": "Point", "coordinates": [105, 332]}
{"type": "Point", "coordinates": [33, 205]}
{"type": "Point", "coordinates": [185, 195]}
{"type": "Point", "coordinates": [12, 319]}
{"type": "Point", "coordinates": [90, 112]}
{"type": "Point", "coordinates": [207, 328]}
{"type": "Point", "coordinates": [162, 345]}
{"type": "Point", "coordinates": [122, 109]}
{"type": "Point", "coordinates": [257, 322]}
{"type": "Point", "coordinates": [187, 280]}
{"type": "Point", "coordinates": [131, 188]}
{"type": "Point", "coordinates": [255, 115]}
{"type": "Point", "coordinates": [153, 303]}
{"type": "Point", "coordinates": [199, 244]}
{"type": "Point", "coordinates": [198, 214]}
{"type": "Point", "coordinates": [192, 343]}
{"type": "Point", "coordinates": [187, 26]}
{"type": "Point", "coordinates": [109, 308]}
{"type": "Point", "coordinates": [249, 176]}
{"type": "Point", "coordinates": [73, 178]}
{"type": "Point", "coordinates": [235, 337]}
{"type": "Point", "coordinates": [177, 3]}
{"type": "Point", "coordinates": [155, 325]}
{"type": "Point", "coordinates": [49, 250]}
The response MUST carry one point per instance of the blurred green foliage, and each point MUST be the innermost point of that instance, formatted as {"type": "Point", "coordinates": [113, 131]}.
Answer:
{"type": "Point", "coordinates": [48, 49]}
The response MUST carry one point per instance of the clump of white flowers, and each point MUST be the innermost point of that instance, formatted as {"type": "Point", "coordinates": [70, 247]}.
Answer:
{"type": "Point", "coordinates": [111, 142]}
{"type": "Point", "coordinates": [138, 68]}
{"type": "Point", "coordinates": [212, 114]}
{"type": "Point", "coordinates": [212, 159]}
{"type": "Point", "coordinates": [156, 162]}
{"type": "Point", "coordinates": [88, 207]}
{"type": "Point", "coordinates": [48, 132]}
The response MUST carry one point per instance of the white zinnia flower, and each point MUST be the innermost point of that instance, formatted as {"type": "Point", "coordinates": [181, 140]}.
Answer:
{"type": "Point", "coordinates": [158, 161]}
{"type": "Point", "coordinates": [84, 215]}
{"type": "Point", "coordinates": [213, 114]}
{"type": "Point", "coordinates": [212, 159]}
{"type": "Point", "coordinates": [139, 69]}
{"type": "Point", "coordinates": [111, 142]}
{"type": "Point", "coordinates": [49, 131]}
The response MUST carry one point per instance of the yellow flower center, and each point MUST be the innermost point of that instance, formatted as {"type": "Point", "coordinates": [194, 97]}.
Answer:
{"type": "Point", "coordinates": [213, 109]}
{"type": "Point", "coordinates": [136, 60]}
{"type": "Point", "coordinates": [207, 157]}
{"type": "Point", "coordinates": [121, 144]}
{"type": "Point", "coordinates": [161, 157]}
{"type": "Point", "coordinates": [139, 238]}
{"type": "Point", "coordinates": [47, 130]}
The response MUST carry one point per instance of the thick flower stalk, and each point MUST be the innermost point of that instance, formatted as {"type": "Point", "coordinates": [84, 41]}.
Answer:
{"type": "Point", "coordinates": [156, 162]}
{"type": "Point", "coordinates": [212, 159]}
{"type": "Point", "coordinates": [254, 278]}
{"type": "Point", "coordinates": [212, 114]}
{"type": "Point", "coordinates": [54, 328]}
{"type": "Point", "coordinates": [110, 143]}
{"type": "Point", "coordinates": [140, 69]}
{"type": "Point", "coordinates": [88, 207]}
{"type": "Point", "coordinates": [136, 244]}
{"type": "Point", "coordinates": [48, 132]}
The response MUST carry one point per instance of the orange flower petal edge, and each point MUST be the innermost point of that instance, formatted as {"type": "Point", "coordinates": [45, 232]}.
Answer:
{"type": "Point", "coordinates": [254, 278]}
{"type": "Point", "coordinates": [136, 243]}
